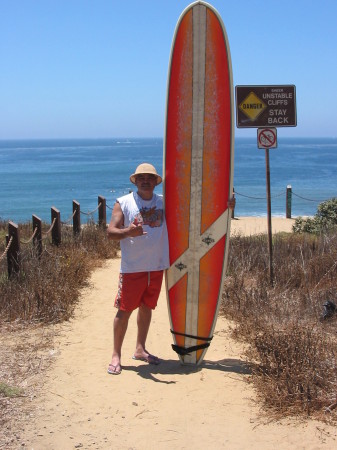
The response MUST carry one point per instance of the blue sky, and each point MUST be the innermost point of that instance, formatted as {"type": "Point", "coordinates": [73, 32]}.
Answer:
{"type": "Point", "coordinates": [81, 68]}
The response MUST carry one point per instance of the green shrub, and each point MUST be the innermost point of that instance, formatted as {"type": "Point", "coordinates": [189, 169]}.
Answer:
{"type": "Point", "coordinates": [325, 219]}
{"type": "Point", "coordinates": [327, 211]}
{"type": "Point", "coordinates": [9, 391]}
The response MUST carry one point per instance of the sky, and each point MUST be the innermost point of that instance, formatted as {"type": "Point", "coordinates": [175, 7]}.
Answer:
{"type": "Point", "coordinates": [98, 68]}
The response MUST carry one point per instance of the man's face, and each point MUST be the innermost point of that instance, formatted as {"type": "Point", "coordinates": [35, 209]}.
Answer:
{"type": "Point", "coordinates": [146, 182]}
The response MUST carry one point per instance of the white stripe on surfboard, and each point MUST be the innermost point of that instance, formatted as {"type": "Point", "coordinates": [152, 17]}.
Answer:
{"type": "Point", "coordinates": [199, 60]}
{"type": "Point", "coordinates": [202, 245]}
{"type": "Point", "coordinates": [199, 55]}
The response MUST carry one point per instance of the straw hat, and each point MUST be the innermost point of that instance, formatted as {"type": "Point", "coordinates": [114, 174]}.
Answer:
{"type": "Point", "coordinates": [145, 168]}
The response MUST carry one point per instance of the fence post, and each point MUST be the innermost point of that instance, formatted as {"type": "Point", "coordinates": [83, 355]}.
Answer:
{"type": "Point", "coordinates": [37, 240]}
{"type": "Point", "coordinates": [56, 230]}
{"type": "Point", "coordinates": [288, 202]}
{"type": "Point", "coordinates": [13, 254]}
{"type": "Point", "coordinates": [102, 211]}
{"type": "Point", "coordinates": [77, 217]}
{"type": "Point", "coordinates": [233, 208]}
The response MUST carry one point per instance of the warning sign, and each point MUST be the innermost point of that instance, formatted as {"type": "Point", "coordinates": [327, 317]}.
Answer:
{"type": "Point", "coordinates": [266, 138]}
{"type": "Point", "coordinates": [265, 106]}
{"type": "Point", "coordinates": [252, 106]}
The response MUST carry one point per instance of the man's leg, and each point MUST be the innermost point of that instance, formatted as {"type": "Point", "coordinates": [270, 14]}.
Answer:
{"type": "Point", "coordinates": [120, 326]}
{"type": "Point", "coordinates": [143, 322]}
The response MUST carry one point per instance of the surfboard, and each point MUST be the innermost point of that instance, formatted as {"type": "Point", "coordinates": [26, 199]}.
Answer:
{"type": "Point", "coordinates": [198, 176]}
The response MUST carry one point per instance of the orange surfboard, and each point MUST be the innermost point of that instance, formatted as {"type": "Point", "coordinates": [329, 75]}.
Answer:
{"type": "Point", "coordinates": [198, 169]}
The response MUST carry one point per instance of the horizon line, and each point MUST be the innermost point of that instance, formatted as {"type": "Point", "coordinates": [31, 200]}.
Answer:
{"type": "Point", "coordinates": [144, 137]}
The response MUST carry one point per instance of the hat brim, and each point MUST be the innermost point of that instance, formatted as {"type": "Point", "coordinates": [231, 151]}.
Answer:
{"type": "Point", "coordinates": [133, 177]}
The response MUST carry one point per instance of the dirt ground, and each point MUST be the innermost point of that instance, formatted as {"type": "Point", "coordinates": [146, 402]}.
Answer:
{"type": "Point", "coordinates": [147, 407]}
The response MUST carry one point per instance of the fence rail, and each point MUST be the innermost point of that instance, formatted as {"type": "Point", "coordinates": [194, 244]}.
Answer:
{"type": "Point", "coordinates": [13, 241]}
{"type": "Point", "coordinates": [288, 196]}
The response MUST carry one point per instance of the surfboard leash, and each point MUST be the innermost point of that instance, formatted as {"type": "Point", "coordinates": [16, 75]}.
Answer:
{"type": "Point", "coordinates": [187, 350]}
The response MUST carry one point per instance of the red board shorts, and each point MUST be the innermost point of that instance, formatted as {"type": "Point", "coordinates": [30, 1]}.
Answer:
{"type": "Point", "coordinates": [136, 289]}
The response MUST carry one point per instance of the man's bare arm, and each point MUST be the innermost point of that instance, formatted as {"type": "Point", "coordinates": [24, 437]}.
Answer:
{"type": "Point", "coordinates": [115, 229]}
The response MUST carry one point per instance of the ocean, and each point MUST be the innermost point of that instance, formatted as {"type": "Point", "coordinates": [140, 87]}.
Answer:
{"type": "Point", "coordinates": [38, 174]}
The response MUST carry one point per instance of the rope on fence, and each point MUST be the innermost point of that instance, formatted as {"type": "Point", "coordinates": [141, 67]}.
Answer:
{"type": "Point", "coordinates": [109, 207]}
{"type": "Point", "coordinates": [92, 212]}
{"type": "Point", "coordinates": [278, 195]}
{"type": "Point", "coordinates": [6, 249]}
{"type": "Point", "coordinates": [257, 198]}
{"type": "Point", "coordinates": [308, 199]}
{"type": "Point", "coordinates": [30, 239]}
{"type": "Point", "coordinates": [70, 218]}
{"type": "Point", "coordinates": [51, 228]}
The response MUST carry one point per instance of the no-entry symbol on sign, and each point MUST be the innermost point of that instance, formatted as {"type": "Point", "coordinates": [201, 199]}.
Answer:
{"type": "Point", "coordinates": [266, 138]}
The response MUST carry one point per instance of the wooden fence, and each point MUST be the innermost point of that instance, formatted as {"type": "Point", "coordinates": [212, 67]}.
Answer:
{"type": "Point", "coordinates": [13, 241]}
{"type": "Point", "coordinates": [13, 238]}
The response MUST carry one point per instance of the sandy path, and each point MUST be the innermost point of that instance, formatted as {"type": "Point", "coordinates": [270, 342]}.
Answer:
{"type": "Point", "coordinates": [152, 407]}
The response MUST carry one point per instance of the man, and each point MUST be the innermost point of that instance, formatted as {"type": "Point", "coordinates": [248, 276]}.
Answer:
{"type": "Point", "coordinates": [138, 222]}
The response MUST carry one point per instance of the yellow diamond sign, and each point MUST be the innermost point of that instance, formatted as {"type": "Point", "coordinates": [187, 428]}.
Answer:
{"type": "Point", "coordinates": [252, 106]}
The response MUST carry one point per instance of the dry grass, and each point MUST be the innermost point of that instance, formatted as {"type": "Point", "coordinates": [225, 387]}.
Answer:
{"type": "Point", "coordinates": [44, 293]}
{"type": "Point", "coordinates": [293, 349]}
{"type": "Point", "coordinates": [47, 288]}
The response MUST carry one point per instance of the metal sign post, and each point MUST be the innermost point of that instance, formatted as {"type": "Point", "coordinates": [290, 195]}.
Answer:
{"type": "Point", "coordinates": [270, 240]}
{"type": "Point", "coordinates": [264, 107]}
{"type": "Point", "coordinates": [267, 138]}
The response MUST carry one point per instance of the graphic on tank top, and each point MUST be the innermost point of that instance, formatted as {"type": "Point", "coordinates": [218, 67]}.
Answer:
{"type": "Point", "coordinates": [152, 217]}
{"type": "Point", "coordinates": [138, 220]}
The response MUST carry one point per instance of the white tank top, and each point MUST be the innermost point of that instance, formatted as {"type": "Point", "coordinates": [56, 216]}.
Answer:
{"type": "Point", "coordinates": [148, 252]}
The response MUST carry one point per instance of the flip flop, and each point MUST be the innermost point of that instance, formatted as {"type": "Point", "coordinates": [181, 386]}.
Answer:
{"type": "Point", "coordinates": [114, 371]}
{"type": "Point", "coordinates": [150, 359]}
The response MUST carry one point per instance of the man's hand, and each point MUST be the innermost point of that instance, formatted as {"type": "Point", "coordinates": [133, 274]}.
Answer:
{"type": "Point", "coordinates": [136, 229]}
{"type": "Point", "coordinates": [231, 203]}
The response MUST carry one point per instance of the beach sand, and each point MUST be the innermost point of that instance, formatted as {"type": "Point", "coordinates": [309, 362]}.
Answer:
{"type": "Point", "coordinates": [155, 407]}
{"type": "Point", "coordinates": [247, 226]}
